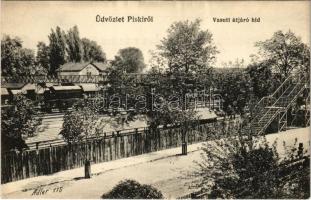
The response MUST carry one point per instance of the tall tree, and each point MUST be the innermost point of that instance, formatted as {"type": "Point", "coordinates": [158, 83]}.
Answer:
{"type": "Point", "coordinates": [27, 60]}
{"type": "Point", "coordinates": [305, 62]}
{"type": "Point", "coordinates": [130, 60]}
{"type": "Point", "coordinates": [235, 89]}
{"type": "Point", "coordinates": [78, 125]}
{"type": "Point", "coordinates": [187, 48]}
{"type": "Point", "coordinates": [261, 79]}
{"type": "Point", "coordinates": [16, 60]}
{"type": "Point", "coordinates": [285, 51]}
{"type": "Point", "coordinates": [10, 48]}
{"type": "Point", "coordinates": [92, 51]}
{"type": "Point", "coordinates": [74, 45]}
{"type": "Point", "coordinates": [17, 123]}
{"type": "Point", "coordinates": [43, 56]}
{"type": "Point", "coordinates": [57, 51]}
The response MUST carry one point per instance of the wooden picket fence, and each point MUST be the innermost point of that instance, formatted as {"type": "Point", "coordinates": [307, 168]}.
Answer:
{"type": "Point", "coordinates": [21, 165]}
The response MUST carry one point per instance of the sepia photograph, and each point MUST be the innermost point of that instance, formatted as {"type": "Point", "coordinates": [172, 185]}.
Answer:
{"type": "Point", "coordinates": [155, 99]}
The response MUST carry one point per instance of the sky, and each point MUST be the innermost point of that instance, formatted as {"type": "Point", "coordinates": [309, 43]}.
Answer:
{"type": "Point", "coordinates": [32, 22]}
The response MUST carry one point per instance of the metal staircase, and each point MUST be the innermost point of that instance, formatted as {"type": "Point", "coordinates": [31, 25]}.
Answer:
{"type": "Point", "coordinates": [275, 106]}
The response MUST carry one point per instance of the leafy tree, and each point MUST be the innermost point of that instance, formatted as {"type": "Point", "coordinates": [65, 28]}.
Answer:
{"type": "Point", "coordinates": [57, 46]}
{"type": "Point", "coordinates": [305, 63]}
{"type": "Point", "coordinates": [130, 60]}
{"type": "Point", "coordinates": [284, 51]}
{"type": "Point", "coordinates": [79, 125]}
{"type": "Point", "coordinates": [10, 54]}
{"type": "Point", "coordinates": [17, 123]}
{"type": "Point", "coordinates": [43, 53]}
{"type": "Point", "coordinates": [28, 61]}
{"type": "Point", "coordinates": [185, 119]}
{"type": "Point", "coordinates": [168, 104]}
{"type": "Point", "coordinates": [122, 84]}
{"type": "Point", "coordinates": [242, 168]}
{"type": "Point", "coordinates": [235, 89]}
{"type": "Point", "coordinates": [92, 51]}
{"type": "Point", "coordinates": [122, 81]}
{"type": "Point", "coordinates": [157, 63]}
{"type": "Point", "coordinates": [262, 79]}
{"type": "Point", "coordinates": [16, 60]}
{"type": "Point", "coordinates": [187, 48]}
{"type": "Point", "coordinates": [130, 189]}
{"type": "Point", "coordinates": [168, 114]}
{"type": "Point", "coordinates": [169, 108]}
{"type": "Point", "coordinates": [238, 63]}
{"type": "Point", "coordinates": [74, 46]}
{"type": "Point", "coordinates": [73, 127]}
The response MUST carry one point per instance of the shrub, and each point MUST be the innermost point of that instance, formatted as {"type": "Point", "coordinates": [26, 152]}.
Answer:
{"type": "Point", "coordinates": [131, 189]}
{"type": "Point", "coordinates": [245, 169]}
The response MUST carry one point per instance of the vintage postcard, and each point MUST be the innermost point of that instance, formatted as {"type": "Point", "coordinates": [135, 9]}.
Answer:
{"type": "Point", "coordinates": [155, 99]}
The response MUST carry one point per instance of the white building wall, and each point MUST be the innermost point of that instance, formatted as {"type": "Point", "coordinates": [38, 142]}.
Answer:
{"type": "Point", "coordinates": [91, 69]}
{"type": "Point", "coordinates": [68, 73]}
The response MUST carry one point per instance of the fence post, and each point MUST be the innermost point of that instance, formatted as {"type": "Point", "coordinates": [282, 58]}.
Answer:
{"type": "Point", "coordinates": [300, 150]}
{"type": "Point", "coordinates": [50, 159]}
{"type": "Point", "coordinates": [183, 141]}
{"type": "Point", "coordinates": [87, 169]}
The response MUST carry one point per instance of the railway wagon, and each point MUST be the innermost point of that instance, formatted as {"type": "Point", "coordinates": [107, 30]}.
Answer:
{"type": "Point", "coordinates": [61, 97]}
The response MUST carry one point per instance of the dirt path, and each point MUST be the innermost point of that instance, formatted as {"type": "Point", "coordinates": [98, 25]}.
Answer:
{"type": "Point", "coordinates": [163, 169]}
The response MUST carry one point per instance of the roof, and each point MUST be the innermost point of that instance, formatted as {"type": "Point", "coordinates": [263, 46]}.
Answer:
{"type": "Point", "coordinates": [89, 87]}
{"type": "Point", "coordinates": [13, 85]}
{"type": "Point", "coordinates": [72, 66]}
{"type": "Point", "coordinates": [40, 90]}
{"type": "Point", "coordinates": [75, 67]}
{"type": "Point", "coordinates": [4, 91]}
{"type": "Point", "coordinates": [60, 88]}
{"type": "Point", "coordinates": [49, 84]}
{"type": "Point", "coordinates": [29, 86]}
{"type": "Point", "coordinates": [205, 113]}
{"type": "Point", "coordinates": [16, 92]}
{"type": "Point", "coordinates": [101, 66]}
{"type": "Point", "coordinates": [112, 123]}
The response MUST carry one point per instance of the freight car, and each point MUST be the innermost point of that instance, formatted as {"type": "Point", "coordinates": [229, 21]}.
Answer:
{"type": "Point", "coordinates": [61, 97]}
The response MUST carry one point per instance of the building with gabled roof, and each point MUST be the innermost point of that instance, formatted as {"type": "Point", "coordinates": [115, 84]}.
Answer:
{"type": "Point", "coordinates": [83, 68]}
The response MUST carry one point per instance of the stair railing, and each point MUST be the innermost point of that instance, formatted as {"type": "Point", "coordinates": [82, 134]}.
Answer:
{"type": "Point", "coordinates": [273, 99]}
{"type": "Point", "coordinates": [279, 110]}
{"type": "Point", "coordinates": [300, 83]}
{"type": "Point", "coordinates": [265, 101]}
